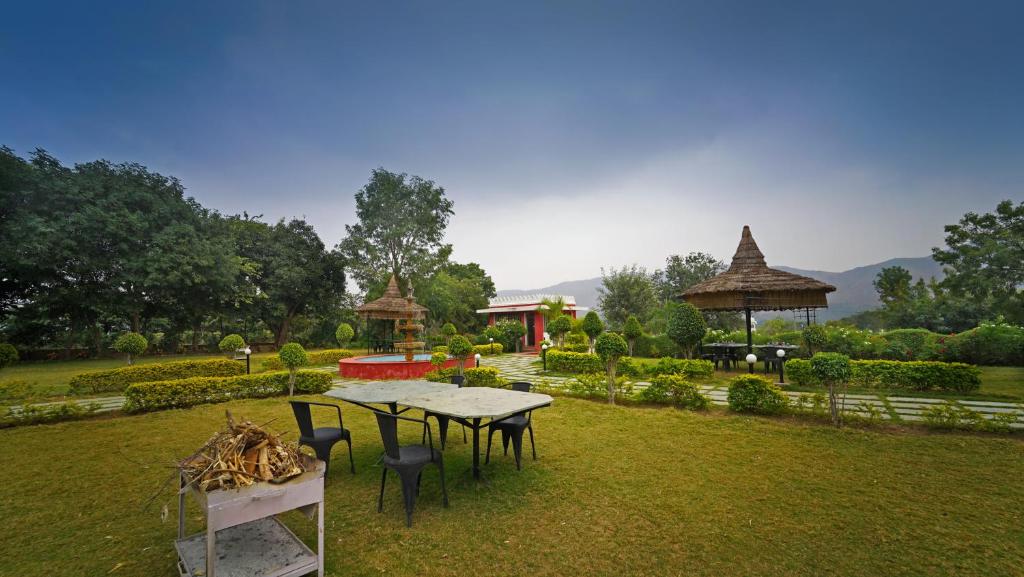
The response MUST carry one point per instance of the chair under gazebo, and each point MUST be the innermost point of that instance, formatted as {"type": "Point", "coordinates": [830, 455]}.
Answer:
{"type": "Point", "coordinates": [394, 307]}
{"type": "Point", "coordinates": [750, 285]}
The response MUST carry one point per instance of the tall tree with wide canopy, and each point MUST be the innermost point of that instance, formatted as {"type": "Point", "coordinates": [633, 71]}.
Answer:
{"type": "Point", "coordinates": [294, 273]}
{"type": "Point", "coordinates": [400, 229]}
{"type": "Point", "coordinates": [681, 273]}
{"type": "Point", "coordinates": [984, 259]}
{"type": "Point", "coordinates": [624, 292]}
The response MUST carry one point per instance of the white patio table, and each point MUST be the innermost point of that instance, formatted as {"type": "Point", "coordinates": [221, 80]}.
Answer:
{"type": "Point", "coordinates": [469, 406]}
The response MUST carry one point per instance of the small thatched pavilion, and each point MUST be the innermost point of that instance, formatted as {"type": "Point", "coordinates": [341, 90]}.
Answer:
{"type": "Point", "coordinates": [749, 285]}
{"type": "Point", "coordinates": [392, 306]}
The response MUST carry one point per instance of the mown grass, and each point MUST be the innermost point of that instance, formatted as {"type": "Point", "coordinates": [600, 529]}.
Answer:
{"type": "Point", "coordinates": [616, 491]}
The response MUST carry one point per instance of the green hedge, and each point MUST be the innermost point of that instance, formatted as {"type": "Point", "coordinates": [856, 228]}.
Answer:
{"type": "Point", "coordinates": [570, 362]}
{"type": "Point", "coordinates": [475, 376]}
{"type": "Point", "coordinates": [756, 394]}
{"type": "Point", "coordinates": [689, 368]}
{"type": "Point", "coordinates": [485, 350]}
{"type": "Point", "coordinates": [905, 375]}
{"type": "Point", "coordinates": [153, 396]}
{"type": "Point", "coordinates": [676, 390]}
{"type": "Point", "coordinates": [655, 346]}
{"type": "Point", "coordinates": [988, 344]}
{"type": "Point", "coordinates": [316, 359]}
{"type": "Point", "coordinates": [116, 380]}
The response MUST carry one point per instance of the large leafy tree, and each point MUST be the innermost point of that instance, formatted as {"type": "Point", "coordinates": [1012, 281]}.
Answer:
{"type": "Point", "coordinates": [400, 229]}
{"type": "Point", "coordinates": [682, 272]}
{"type": "Point", "coordinates": [686, 326]}
{"type": "Point", "coordinates": [624, 292]}
{"type": "Point", "coordinates": [292, 271]}
{"type": "Point", "coordinates": [893, 285]}
{"type": "Point", "coordinates": [984, 259]}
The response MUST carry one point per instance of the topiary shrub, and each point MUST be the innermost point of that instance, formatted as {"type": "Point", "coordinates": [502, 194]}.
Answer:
{"type": "Point", "coordinates": [814, 337]}
{"type": "Point", "coordinates": [632, 330]}
{"type": "Point", "coordinates": [610, 347]}
{"type": "Point", "coordinates": [343, 334]}
{"type": "Point", "coordinates": [595, 386]}
{"type": "Point", "coordinates": [8, 355]}
{"type": "Point", "coordinates": [437, 360]}
{"type": "Point", "coordinates": [558, 327]}
{"type": "Point", "coordinates": [131, 344]}
{"type": "Point", "coordinates": [592, 326]}
{"type": "Point", "coordinates": [292, 356]}
{"type": "Point", "coordinates": [152, 396]}
{"type": "Point", "coordinates": [448, 331]}
{"type": "Point", "coordinates": [756, 394]}
{"type": "Point", "coordinates": [231, 344]}
{"type": "Point", "coordinates": [116, 380]}
{"type": "Point", "coordinates": [460, 348]}
{"type": "Point", "coordinates": [686, 326]}
{"type": "Point", "coordinates": [676, 390]}
{"type": "Point", "coordinates": [833, 369]}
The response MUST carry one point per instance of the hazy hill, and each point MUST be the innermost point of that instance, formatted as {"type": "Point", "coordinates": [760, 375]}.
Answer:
{"type": "Point", "coordinates": [854, 289]}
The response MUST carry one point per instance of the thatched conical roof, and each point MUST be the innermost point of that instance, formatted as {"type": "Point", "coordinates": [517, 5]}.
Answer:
{"type": "Point", "coordinates": [750, 283]}
{"type": "Point", "coordinates": [392, 305]}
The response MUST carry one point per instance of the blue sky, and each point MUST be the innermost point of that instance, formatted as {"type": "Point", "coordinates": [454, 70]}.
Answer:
{"type": "Point", "coordinates": [611, 132]}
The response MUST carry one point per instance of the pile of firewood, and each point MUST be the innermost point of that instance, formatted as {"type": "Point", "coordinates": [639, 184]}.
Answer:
{"type": "Point", "coordinates": [239, 456]}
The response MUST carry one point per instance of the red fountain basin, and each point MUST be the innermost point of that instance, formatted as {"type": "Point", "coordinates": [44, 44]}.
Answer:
{"type": "Point", "coordinates": [379, 367]}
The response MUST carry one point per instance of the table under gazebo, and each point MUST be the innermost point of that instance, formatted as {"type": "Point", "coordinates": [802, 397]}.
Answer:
{"type": "Point", "coordinates": [750, 285]}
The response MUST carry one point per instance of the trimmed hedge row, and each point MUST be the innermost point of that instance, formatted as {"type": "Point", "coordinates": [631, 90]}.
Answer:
{"type": "Point", "coordinates": [475, 376]}
{"type": "Point", "coordinates": [907, 375]}
{"type": "Point", "coordinates": [693, 369]}
{"type": "Point", "coordinates": [675, 390]}
{"type": "Point", "coordinates": [488, 349]}
{"type": "Point", "coordinates": [316, 359]}
{"type": "Point", "coordinates": [116, 380]}
{"type": "Point", "coordinates": [570, 362]}
{"type": "Point", "coordinates": [157, 395]}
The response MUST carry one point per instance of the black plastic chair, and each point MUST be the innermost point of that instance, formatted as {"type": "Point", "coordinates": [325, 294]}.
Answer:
{"type": "Point", "coordinates": [442, 420]}
{"type": "Point", "coordinates": [322, 439]}
{"type": "Point", "coordinates": [512, 429]}
{"type": "Point", "coordinates": [407, 461]}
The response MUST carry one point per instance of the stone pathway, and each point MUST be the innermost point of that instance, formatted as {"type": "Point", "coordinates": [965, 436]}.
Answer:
{"type": "Point", "coordinates": [519, 367]}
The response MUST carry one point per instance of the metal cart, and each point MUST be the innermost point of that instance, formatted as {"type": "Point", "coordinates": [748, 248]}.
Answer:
{"type": "Point", "coordinates": [243, 538]}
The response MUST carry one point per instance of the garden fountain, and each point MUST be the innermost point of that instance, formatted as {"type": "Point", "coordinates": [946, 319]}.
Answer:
{"type": "Point", "coordinates": [406, 314]}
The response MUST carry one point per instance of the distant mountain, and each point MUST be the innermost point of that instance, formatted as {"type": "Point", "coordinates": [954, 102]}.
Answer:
{"type": "Point", "coordinates": [855, 291]}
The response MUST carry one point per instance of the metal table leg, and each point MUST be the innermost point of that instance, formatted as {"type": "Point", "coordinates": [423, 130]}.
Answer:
{"type": "Point", "coordinates": [476, 449]}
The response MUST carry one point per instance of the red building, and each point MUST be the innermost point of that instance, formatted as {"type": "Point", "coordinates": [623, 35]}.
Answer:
{"type": "Point", "coordinates": [527, 310]}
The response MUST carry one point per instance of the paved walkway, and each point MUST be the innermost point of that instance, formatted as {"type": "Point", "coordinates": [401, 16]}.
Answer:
{"type": "Point", "coordinates": [519, 367]}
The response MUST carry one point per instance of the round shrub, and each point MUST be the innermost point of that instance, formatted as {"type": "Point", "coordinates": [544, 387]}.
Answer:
{"type": "Point", "coordinates": [8, 355]}
{"type": "Point", "coordinates": [231, 344]}
{"type": "Point", "coordinates": [676, 390]}
{"type": "Point", "coordinates": [610, 346]}
{"type": "Point", "coordinates": [632, 330]}
{"type": "Point", "coordinates": [686, 326]}
{"type": "Point", "coordinates": [343, 334]}
{"type": "Point", "coordinates": [755, 394]}
{"type": "Point", "coordinates": [592, 325]}
{"type": "Point", "coordinates": [438, 359]}
{"type": "Point", "coordinates": [448, 331]}
{"type": "Point", "coordinates": [558, 327]}
{"type": "Point", "coordinates": [131, 344]}
{"type": "Point", "coordinates": [460, 348]}
{"type": "Point", "coordinates": [831, 367]}
{"type": "Point", "coordinates": [293, 356]}
{"type": "Point", "coordinates": [814, 337]}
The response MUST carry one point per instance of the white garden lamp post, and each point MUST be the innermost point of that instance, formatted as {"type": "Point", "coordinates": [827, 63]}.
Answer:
{"type": "Point", "coordinates": [247, 352]}
{"type": "Point", "coordinates": [782, 361]}
{"type": "Point", "coordinates": [477, 358]}
{"type": "Point", "coordinates": [751, 359]}
{"type": "Point", "coordinates": [544, 355]}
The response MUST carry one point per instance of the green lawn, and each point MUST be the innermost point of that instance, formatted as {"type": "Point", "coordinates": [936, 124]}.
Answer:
{"type": "Point", "coordinates": [617, 491]}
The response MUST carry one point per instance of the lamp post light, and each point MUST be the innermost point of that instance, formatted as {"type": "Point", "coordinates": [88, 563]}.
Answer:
{"type": "Point", "coordinates": [544, 355]}
{"type": "Point", "coordinates": [477, 357]}
{"type": "Point", "coordinates": [492, 344]}
{"type": "Point", "coordinates": [782, 362]}
{"type": "Point", "coordinates": [751, 359]}
{"type": "Point", "coordinates": [247, 352]}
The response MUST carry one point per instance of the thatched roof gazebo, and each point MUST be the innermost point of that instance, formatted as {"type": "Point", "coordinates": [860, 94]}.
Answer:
{"type": "Point", "coordinates": [749, 285]}
{"type": "Point", "coordinates": [392, 305]}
